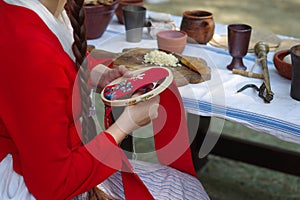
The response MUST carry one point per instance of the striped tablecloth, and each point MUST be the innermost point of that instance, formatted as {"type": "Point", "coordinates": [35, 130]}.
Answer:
{"type": "Point", "coordinates": [218, 96]}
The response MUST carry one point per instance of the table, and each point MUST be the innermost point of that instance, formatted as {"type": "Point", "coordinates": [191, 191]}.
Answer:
{"type": "Point", "coordinates": [216, 100]}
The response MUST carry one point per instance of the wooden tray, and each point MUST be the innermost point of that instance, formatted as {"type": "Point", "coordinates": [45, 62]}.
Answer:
{"type": "Point", "coordinates": [133, 59]}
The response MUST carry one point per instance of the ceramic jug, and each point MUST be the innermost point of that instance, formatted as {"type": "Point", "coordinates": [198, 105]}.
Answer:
{"type": "Point", "coordinates": [199, 25]}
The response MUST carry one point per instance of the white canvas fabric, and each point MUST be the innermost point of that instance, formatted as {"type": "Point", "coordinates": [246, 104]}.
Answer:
{"type": "Point", "coordinates": [12, 185]}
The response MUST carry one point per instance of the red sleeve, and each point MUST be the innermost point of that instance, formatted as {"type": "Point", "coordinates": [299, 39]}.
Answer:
{"type": "Point", "coordinates": [38, 119]}
{"type": "Point", "coordinates": [36, 84]}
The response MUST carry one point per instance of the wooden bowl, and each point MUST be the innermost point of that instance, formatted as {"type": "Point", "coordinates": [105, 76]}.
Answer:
{"type": "Point", "coordinates": [283, 68]}
{"type": "Point", "coordinates": [172, 40]}
{"type": "Point", "coordinates": [98, 18]}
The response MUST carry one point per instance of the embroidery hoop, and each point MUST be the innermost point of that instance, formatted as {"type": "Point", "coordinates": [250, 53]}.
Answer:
{"type": "Point", "coordinates": [167, 80]}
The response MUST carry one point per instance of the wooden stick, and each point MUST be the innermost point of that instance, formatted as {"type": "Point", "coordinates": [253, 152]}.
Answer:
{"type": "Point", "coordinates": [247, 74]}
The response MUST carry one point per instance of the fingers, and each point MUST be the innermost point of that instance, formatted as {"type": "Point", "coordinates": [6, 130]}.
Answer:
{"type": "Point", "coordinates": [155, 100]}
{"type": "Point", "coordinates": [120, 71]}
{"type": "Point", "coordinates": [152, 106]}
{"type": "Point", "coordinates": [153, 111]}
{"type": "Point", "coordinates": [136, 116]}
{"type": "Point", "coordinates": [126, 122]}
{"type": "Point", "coordinates": [101, 75]}
{"type": "Point", "coordinates": [124, 71]}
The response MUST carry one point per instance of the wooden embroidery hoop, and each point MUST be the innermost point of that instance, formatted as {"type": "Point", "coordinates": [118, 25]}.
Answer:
{"type": "Point", "coordinates": [144, 97]}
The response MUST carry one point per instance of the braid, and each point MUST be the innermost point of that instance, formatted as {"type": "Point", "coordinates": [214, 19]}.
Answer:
{"type": "Point", "coordinates": [76, 14]}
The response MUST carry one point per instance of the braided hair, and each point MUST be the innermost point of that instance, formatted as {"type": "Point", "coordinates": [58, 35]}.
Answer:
{"type": "Point", "coordinates": [76, 14]}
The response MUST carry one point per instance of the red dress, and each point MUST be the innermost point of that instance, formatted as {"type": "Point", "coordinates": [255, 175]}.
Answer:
{"type": "Point", "coordinates": [37, 123]}
{"type": "Point", "coordinates": [37, 119]}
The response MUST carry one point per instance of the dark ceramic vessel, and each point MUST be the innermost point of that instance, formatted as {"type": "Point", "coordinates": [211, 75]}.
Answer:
{"type": "Point", "coordinates": [295, 83]}
{"type": "Point", "coordinates": [119, 11]}
{"type": "Point", "coordinates": [199, 26]}
{"type": "Point", "coordinates": [238, 44]}
{"type": "Point", "coordinates": [98, 18]}
{"type": "Point", "coordinates": [134, 20]}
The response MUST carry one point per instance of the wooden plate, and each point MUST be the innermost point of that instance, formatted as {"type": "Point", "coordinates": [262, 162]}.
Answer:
{"type": "Point", "coordinates": [133, 59]}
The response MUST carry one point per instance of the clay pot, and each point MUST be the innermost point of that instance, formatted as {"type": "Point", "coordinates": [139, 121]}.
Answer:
{"type": "Point", "coordinates": [199, 25]}
{"type": "Point", "coordinates": [171, 40]}
{"type": "Point", "coordinates": [98, 18]}
{"type": "Point", "coordinates": [119, 12]}
{"type": "Point", "coordinates": [283, 68]}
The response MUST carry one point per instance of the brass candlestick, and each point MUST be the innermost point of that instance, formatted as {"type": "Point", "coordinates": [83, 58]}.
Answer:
{"type": "Point", "coordinates": [261, 50]}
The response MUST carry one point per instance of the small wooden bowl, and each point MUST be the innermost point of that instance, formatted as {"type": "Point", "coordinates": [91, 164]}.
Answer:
{"type": "Point", "coordinates": [283, 68]}
{"type": "Point", "coordinates": [172, 40]}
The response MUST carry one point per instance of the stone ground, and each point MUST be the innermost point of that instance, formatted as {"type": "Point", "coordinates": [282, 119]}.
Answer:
{"type": "Point", "coordinates": [226, 179]}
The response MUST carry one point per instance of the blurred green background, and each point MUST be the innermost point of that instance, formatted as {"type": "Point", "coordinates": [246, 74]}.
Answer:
{"type": "Point", "coordinates": [279, 16]}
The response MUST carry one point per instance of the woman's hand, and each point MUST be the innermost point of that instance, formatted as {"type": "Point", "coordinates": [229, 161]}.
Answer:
{"type": "Point", "coordinates": [102, 75]}
{"type": "Point", "coordinates": [133, 117]}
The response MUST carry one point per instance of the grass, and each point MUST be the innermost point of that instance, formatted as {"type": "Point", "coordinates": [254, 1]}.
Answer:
{"type": "Point", "coordinates": [278, 16]}
{"type": "Point", "coordinates": [226, 179]}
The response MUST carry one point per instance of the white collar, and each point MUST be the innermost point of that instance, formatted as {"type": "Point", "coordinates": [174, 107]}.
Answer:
{"type": "Point", "coordinates": [61, 27]}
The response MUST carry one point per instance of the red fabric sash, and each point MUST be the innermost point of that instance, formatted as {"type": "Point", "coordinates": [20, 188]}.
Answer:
{"type": "Point", "coordinates": [171, 142]}
{"type": "Point", "coordinates": [171, 133]}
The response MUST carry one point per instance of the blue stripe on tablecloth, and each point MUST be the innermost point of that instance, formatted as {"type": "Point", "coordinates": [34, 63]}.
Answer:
{"type": "Point", "coordinates": [114, 32]}
{"type": "Point", "coordinates": [253, 118]}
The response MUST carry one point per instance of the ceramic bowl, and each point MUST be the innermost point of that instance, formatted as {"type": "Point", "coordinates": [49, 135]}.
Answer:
{"type": "Point", "coordinates": [171, 40]}
{"type": "Point", "coordinates": [283, 68]}
{"type": "Point", "coordinates": [98, 18]}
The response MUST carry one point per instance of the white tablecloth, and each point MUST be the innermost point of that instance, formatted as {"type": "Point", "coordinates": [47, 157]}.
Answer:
{"type": "Point", "coordinates": [218, 97]}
